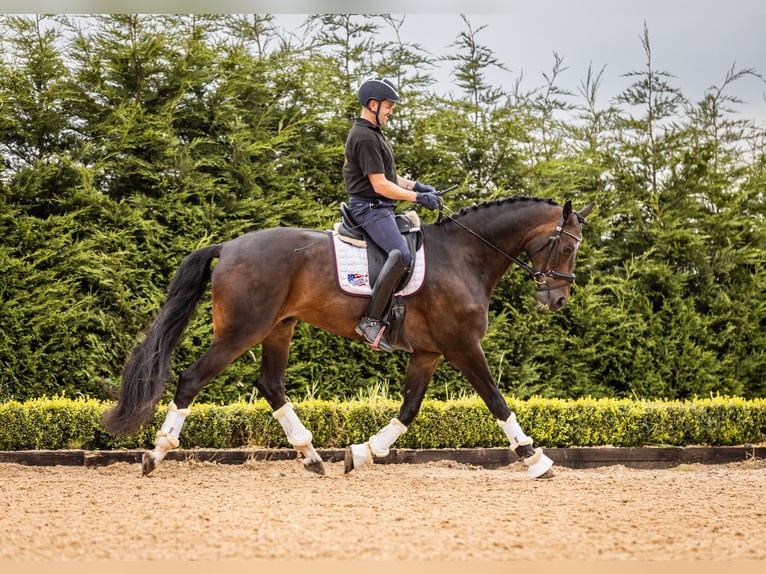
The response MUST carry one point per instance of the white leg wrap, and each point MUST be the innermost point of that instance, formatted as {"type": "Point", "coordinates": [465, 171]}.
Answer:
{"type": "Point", "coordinates": [297, 434]}
{"type": "Point", "coordinates": [381, 442]}
{"type": "Point", "coordinates": [166, 438]}
{"type": "Point", "coordinates": [538, 464]}
{"type": "Point", "coordinates": [361, 455]}
{"type": "Point", "coordinates": [514, 433]}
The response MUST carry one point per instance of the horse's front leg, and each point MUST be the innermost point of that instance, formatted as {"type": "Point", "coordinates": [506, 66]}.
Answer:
{"type": "Point", "coordinates": [538, 464]}
{"type": "Point", "coordinates": [419, 372]}
{"type": "Point", "coordinates": [472, 362]}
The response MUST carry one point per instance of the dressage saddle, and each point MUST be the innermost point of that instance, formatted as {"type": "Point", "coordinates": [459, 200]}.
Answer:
{"type": "Point", "coordinates": [409, 226]}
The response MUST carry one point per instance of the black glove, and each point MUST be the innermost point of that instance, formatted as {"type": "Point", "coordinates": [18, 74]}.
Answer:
{"type": "Point", "coordinates": [425, 188]}
{"type": "Point", "coordinates": [428, 200]}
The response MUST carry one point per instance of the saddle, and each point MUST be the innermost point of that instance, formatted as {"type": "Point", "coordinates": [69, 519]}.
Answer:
{"type": "Point", "coordinates": [409, 226]}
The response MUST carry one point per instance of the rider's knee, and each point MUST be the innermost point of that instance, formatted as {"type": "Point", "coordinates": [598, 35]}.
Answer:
{"type": "Point", "coordinates": [405, 258]}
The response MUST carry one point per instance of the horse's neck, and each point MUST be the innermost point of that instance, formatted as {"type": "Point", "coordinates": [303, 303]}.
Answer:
{"type": "Point", "coordinates": [508, 226]}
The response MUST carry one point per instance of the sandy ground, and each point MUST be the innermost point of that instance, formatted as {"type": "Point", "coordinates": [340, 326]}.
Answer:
{"type": "Point", "coordinates": [434, 511]}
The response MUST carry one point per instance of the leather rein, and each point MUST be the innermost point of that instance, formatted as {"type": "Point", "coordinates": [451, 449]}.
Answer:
{"type": "Point", "coordinates": [539, 277]}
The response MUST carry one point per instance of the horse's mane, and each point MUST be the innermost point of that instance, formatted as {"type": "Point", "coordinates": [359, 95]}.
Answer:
{"type": "Point", "coordinates": [495, 203]}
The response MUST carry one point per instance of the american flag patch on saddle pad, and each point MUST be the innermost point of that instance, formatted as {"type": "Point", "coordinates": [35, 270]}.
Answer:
{"type": "Point", "coordinates": [352, 273]}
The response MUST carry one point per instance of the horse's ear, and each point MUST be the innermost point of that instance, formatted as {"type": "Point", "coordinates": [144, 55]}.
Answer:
{"type": "Point", "coordinates": [567, 209]}
{"type": "Point", "coordinates": [585, 211]}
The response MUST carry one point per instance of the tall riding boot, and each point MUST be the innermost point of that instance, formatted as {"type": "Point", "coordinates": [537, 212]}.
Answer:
{"type": "Point", "coordinates": [372, 326]}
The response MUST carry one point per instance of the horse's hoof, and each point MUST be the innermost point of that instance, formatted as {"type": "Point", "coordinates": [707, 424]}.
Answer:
{"type": "Point", "coordinates": [147, 463]}
{"type": "Point", "coordinates": [348, 460]}
{"type": "Point", "coordinates": [315, 466]}
{"type": "Point", "coordinates": [547, 474]}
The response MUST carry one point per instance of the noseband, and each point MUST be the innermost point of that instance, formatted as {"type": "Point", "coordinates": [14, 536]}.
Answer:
{"type": "Point", "coordinates": [539, 277]}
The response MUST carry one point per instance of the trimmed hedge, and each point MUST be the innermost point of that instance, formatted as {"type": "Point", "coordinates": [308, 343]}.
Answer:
{"type": "Point", "coordinates": [50, 424]}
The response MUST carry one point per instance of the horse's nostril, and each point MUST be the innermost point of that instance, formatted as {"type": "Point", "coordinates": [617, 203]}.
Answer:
{"type": "Point", "coordinates": [560, 302]}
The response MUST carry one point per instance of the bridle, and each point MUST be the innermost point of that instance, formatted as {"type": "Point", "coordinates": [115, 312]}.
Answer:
{"type": "Point", "coordinates": [539, 277]}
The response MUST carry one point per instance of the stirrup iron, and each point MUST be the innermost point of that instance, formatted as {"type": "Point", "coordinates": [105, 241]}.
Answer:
{"type": "Point", "coordinates": [372, 330]}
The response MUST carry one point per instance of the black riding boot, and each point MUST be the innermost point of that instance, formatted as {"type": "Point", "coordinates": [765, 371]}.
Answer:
{"type": "Point", "coordinates": [372, 326]}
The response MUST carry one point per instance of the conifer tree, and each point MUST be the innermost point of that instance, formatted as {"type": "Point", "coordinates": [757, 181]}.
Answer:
{"type": "Point", "coordinates": [126, 141]}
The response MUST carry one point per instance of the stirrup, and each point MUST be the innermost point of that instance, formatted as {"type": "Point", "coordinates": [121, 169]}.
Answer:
{"type": "Point", "coordinates": [372, 331]}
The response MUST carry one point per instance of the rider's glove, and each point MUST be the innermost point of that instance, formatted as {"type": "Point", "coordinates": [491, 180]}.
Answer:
{"type": "Point", "coordinates": [424, 187]}
{"type": "Point", "coordinates": [428, 200]}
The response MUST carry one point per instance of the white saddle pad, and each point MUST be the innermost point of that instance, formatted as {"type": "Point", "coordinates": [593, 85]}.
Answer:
{"type": "Point", "coordinates": [353, 274]}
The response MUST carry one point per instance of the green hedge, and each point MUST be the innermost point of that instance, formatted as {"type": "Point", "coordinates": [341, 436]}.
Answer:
{"type": "Point", "coordinates": [43, 424]}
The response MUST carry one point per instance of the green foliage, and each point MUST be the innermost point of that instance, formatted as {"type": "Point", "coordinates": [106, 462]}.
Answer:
{"type": "Point", "coordinates": [129, 140]}
{"type": "Point", "coordinates": [458, 423]}
{"type": "Point", "coordinates": [50, 424]}
{"type": "Point", "coordinates": [625, 423]}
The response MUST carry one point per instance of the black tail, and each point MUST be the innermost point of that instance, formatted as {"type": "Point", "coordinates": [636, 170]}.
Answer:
{"type": "Point", "coordinates": [148, 367]}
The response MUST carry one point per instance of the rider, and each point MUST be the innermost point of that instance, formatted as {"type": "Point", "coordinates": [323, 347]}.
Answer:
{"type": "Point", "coordinates": [374, 187]}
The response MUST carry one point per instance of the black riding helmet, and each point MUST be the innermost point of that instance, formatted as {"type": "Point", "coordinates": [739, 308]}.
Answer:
{"type": "Point", "coordinates": [377, 89]}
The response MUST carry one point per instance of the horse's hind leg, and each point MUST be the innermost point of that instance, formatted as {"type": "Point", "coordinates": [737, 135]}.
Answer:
{"type": "Point", "coordinates": [217, 357]}
{"type": "Point", "coordinates": [275, 351]}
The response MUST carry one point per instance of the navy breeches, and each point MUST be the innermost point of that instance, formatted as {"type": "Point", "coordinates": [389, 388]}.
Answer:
{"type": "Point", "coordinates": [378, 220]}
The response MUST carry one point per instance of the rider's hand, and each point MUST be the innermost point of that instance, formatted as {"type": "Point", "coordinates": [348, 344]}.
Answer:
{"type": "Point", "coordinates": [428, 200]}
{"type": "Point", "coordinates": [423, 187]}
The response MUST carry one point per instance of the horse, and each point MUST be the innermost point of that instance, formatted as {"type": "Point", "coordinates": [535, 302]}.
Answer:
{"type": "Point", "coordinates": [267, 280]}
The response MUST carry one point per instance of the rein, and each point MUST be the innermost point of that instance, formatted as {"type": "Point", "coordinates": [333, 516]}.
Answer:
{"type": "Point", "coordinates": [539, 277]}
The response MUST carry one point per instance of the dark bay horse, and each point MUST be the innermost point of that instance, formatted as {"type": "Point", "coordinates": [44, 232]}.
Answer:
{"type": "Point", "coordinates": [268, 280]}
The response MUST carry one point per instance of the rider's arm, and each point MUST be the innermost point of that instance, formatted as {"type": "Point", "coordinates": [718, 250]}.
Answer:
{"type": "Point", "coordinates": [402, 191]}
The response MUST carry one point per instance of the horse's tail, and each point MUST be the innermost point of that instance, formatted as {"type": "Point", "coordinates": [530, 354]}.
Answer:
{"type": "Point", "coordinates": [148, 366]}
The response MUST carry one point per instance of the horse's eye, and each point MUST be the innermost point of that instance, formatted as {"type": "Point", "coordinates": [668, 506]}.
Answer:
{"type": "Point", "coordinates": [567, 250]}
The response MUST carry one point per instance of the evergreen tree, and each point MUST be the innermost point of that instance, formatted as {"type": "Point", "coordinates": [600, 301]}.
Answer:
{"type": "Point", "coordinates": [129, 140]}
{"type": "Point", "coordinates": [474, 134]}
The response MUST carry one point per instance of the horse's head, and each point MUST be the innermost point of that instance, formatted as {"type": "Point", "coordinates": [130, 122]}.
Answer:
{"type": "Point", "coordinates": [552, 251]}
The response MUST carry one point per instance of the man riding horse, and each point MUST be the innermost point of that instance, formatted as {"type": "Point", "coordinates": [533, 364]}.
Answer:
{"type": "Point", "coordinates": [268, 280]}
{"type": "Point", "coordinates": [374, 188]}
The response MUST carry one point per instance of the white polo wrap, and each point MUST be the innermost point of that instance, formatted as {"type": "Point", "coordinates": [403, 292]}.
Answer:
{"type": "Point", "coordinates": [171, 428]}
{"type": "Point", "coordinates": [361, 455]}
{"type": "Point", "coordinates": [297, 434]}
{"type": "Point", "coordinates": [514, 433]}
{"type": "Point", "coordinates": [381, 442]}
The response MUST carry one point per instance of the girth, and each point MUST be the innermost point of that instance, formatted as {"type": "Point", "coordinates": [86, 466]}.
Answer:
{"type": "Point", "coordinates": [409, 227]}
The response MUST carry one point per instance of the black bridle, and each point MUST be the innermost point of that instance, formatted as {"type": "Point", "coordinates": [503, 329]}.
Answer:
{"type": "Point", "coordinates": [539, 277]}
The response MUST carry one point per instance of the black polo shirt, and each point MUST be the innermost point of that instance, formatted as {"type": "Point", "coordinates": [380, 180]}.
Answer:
{"type": "Point", "coordinates": [367, 151]}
